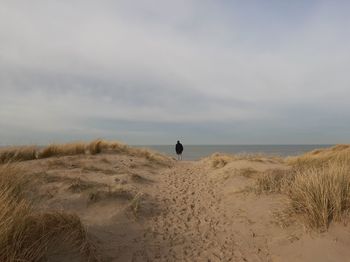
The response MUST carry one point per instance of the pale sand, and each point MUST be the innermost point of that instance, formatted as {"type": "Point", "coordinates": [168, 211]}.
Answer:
{"type": "Point", "coordinates": [189, 211]}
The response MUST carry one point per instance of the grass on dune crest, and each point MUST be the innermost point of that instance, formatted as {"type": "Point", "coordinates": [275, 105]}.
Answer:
{"type": "Point", "coordinates": [18, 153]}
{"type": "Point", "coordinates": [320, 157]}
{"type": "Point", "coordinates": [12, 154]}
{"type": "Point", "coordinates": [28, 236]}
{"type": "Point", "coordinates": [117, 147]}
{"type": "Point", "coordinates": [317, 185]}
{"type": "Point", "coordinates": [98, 146]}
{"type": "Point", "coordinates": [219, 160]}
{"type": "Point", "coordinates": [62, 150]}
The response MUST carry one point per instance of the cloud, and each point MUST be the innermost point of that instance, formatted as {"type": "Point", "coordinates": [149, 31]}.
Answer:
{"type": "Point", "coordinates": [68, 69]}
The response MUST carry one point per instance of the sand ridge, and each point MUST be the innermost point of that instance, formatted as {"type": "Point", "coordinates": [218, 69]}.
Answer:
{"type": "Point", "coordinates": [139, 210]}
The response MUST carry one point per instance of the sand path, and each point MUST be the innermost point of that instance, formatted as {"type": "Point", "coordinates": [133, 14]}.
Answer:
{"type": "Point", "coordinates": [193, 225]}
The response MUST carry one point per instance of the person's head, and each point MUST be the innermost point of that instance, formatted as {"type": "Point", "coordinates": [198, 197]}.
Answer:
{"type": "Point", "coordinates": [178, 141]}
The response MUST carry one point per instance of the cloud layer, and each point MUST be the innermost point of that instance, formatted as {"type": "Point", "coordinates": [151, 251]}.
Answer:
{"type": "Point", "coordinates": [149, 72]}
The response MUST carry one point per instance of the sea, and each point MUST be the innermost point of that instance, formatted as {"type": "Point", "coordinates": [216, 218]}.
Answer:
{"type": "Point", "coordinates": [196, 152]}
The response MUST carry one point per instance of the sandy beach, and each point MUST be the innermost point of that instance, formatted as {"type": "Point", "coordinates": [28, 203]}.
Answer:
{"type": "Point", "coordinates": [137, 207]}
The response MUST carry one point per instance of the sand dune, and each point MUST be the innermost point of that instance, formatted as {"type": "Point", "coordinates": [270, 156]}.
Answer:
{"type": "Point", "coordinates": [137, 209]}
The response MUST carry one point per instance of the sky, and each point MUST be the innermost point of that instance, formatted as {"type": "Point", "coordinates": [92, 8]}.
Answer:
{"type": "Point", "coordinates": [155, 71]}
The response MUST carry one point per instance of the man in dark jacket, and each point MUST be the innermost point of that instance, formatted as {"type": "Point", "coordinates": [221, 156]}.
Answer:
{"type": "Point", "coordinates": [179, 148]}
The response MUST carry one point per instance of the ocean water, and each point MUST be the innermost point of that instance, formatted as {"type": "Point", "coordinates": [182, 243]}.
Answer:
{"type": "Point", "coordinates": [195, 152]}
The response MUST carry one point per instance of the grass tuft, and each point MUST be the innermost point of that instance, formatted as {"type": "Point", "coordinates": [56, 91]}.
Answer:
{"type": "Point", "coordinates": [119, 193]}
{"type": "Point", "coordinates": [28, 236]}
{"type": "Point", "coordinates": [13, 154]}
{"type": "Point", "coordinates": [318, 185]}
{"type": "Point", "coordinates": [274, 181]}
{"type": "Point", "coordinates": [321, 194]}
{"type": "Point", "coordinates": [95, 147]}
{"type": "Point", "coordinates": [62, 150]}
{"type": "Point", "coordinates": [219, 160]}
{"type": "Point", "coordinates": [78, 185]}
{"type": "Point", "coordinates": [247, 172]}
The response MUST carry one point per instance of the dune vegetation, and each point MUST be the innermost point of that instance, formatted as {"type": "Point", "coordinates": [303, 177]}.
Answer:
{"type": "Point", "coordinates": [26, 235]}
{"type": "Point", "coordinates": [125, 184]}
{"type": "Point", "coordinates": [317, 184]}
{"type": "Point", "coordinates": [30, 234]}
{"type": "Point", "coordinates": [321, 194]}
{"type": "Point", "coordinates": [320, 157]}
{"type": "Point", "coordinates": [62, 150]}
{"type": "Point", "coordinates": [219, 160]}
{"type": "Point", "coordinates": [23, 153]}
{"type": "Point", "coordinates": [18, 153]}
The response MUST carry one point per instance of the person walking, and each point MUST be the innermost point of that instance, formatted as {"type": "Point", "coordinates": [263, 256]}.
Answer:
{"type": "Point", "coordinates": [179, 149]}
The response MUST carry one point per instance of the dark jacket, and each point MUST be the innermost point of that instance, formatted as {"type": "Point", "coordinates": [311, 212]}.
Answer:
{"type": "Point", "coordinates": [179, 148]}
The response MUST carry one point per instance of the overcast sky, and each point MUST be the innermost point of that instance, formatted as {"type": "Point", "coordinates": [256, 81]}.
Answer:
{"type": "Point", "coordinates": [153, 72]}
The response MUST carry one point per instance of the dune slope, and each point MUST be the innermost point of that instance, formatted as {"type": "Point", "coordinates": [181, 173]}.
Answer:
{"type": "Point", "coordinates": [139, 209]}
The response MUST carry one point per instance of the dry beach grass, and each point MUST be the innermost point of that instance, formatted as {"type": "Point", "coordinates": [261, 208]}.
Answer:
{"type": "Point", "coordinates": [23, 153]}
{"type": "Point", "coordinates": [318, 185]}
{"type": "Point", "coordinates": [26, 235]}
